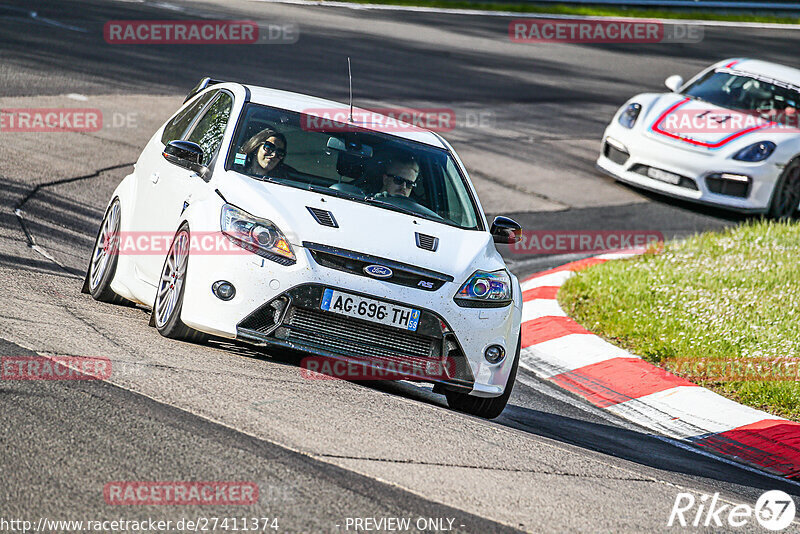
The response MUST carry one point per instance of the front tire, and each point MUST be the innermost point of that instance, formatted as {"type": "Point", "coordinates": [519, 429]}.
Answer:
{"type": "Point", "coordinates": [786, 196]}
{"type": "Point", "coordinates": [171, 287]}
{"type": "Point", "coordinates": [488, 408]}
{"type": "Point", "coordinates": [105, 254]}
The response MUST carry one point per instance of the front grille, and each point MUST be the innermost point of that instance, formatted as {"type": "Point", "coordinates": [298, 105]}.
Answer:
{"type": "Point", "coordinates": [294, 320]}
{"type": "Point", "coordinates": [355, 262]}
{"type": "Point", "coordinates": [717, 183]}
{"type": "Point", "coordinates": [614, 154]}
{"type": "Point", "coordinates": [688, 183]}
{"type": "Point", "coordinates": [325, 218]}
{"type": "Point", "coordinates": [427, 242]}
{"type": "Point", "coordinates": [340, 333]}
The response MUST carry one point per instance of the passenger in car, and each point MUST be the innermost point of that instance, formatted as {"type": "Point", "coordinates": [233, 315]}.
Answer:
{"type": "Point", "coordinates": [265, 153]}
{"type": "Point", "coordinates": [400, 177]}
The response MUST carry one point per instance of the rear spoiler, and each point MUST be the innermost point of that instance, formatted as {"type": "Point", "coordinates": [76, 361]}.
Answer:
{"type": "Point", "coordinates": [202, 84]}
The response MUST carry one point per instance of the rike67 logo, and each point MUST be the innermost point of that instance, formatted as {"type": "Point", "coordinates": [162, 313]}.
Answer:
{"type": "Point", "coordinates": [774, 510]}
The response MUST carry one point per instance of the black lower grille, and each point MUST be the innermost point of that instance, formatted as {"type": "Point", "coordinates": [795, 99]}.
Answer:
{"type": "Point", "coordinates": [614, 154]}
{"type": "Point", "coordinates": [718, 183]}
{"type": "Point", "coordinates": [294, 320]}
{"type": "Point", "coordinates": [356, 337]}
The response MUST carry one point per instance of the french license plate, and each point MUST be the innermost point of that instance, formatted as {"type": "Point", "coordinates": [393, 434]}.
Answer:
{"type": "Point", "coordinates": [663, 176]}
{"type": "Point", "coordinates": [370, 310]}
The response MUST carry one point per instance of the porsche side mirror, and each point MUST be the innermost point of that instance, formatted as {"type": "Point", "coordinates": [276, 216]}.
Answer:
{"type": "Point", "coordinates": [187, 155]}
{"type": "Point", "coordinates": [674, 82]}
{"type": "Point", "coordinates": [505, 230]}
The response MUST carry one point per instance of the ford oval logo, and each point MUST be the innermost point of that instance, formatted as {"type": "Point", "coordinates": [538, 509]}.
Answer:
{"type": "Point", "coordinates": [378, 271]}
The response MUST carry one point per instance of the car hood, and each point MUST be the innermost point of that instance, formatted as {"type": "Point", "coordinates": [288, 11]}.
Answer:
{"type": "Point", "coordinates": [362, 228]}
{"type": "Point", "coordinates": [679, 120]}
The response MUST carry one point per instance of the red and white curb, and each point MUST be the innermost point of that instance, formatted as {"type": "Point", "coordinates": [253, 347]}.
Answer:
{"type": "Point", "coordinates": [556, 348]}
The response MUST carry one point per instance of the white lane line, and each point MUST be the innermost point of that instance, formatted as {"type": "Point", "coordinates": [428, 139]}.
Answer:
{"type": "Point", "coordinates": [483, 13]}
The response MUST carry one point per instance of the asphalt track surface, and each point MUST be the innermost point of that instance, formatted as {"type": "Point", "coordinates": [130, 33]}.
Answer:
{"type": "Point", "coordinates": [324, 451]}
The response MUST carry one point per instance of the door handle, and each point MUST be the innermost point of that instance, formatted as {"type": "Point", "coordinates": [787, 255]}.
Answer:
{"type": "Point", "coordinates": [154, 177]}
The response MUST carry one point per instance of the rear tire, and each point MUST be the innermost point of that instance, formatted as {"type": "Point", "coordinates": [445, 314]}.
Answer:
{"type": "Point", "coordinates": [786, 196]}
{"type": "Point", "coordinates": [488, 408]}
{"type": "Point", "coordinates": [105, 254]}
{"type": "Point", "coordinates": [171, 287]}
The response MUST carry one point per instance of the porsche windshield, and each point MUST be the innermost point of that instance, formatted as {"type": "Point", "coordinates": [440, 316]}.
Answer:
{"type": "Point", "coordinates": [341, 160]}
{"type": "Point", "coordinates": [744, 92]}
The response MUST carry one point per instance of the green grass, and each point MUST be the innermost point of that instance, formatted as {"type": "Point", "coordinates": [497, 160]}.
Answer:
{"type": "Point", "coordinates": [726, 296]}
{"type": "Point", "coordinates": [600, 11]}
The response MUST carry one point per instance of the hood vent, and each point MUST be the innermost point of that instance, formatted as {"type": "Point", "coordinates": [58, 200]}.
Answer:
{"type": "Point", "coordinates": [427, 242]}
{"type": "Point", "coordinates": [325, 218]}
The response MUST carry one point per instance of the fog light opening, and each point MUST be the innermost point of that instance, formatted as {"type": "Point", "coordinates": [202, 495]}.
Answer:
{"type": "Point", "coordinates": [223, 290]}
{"type": "Point", "coordinates": [494, 354]}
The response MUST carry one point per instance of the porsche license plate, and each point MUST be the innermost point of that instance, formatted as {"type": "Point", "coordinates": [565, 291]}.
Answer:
{"type": "Point", "coordinates": [663, 176]}
{"type": "Point", "coordinates": [372, 310]}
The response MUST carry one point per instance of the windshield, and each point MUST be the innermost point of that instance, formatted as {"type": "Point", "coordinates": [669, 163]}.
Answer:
{"type": "Point", "coordinates": [746, 93]}
{"type": "Point", "coordinates": [341, 160]}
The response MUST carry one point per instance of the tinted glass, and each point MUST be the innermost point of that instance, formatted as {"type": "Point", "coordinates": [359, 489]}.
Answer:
{"type": "Point", "coordinates": [386, 171]}
{"type": "Point", "coordinates": [208, 131]}
{"type": "Point", "coordinates": [178, 124]}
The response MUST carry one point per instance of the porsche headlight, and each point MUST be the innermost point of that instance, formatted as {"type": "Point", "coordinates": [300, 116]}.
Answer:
{"type": "Point", "coordinates": [485, 290]}
{"type": "Point", "coordinates": [259, 236]}
{"type": "Point", "coordinates": [755, 152]}
{"type": "Point", "coordinates": [628, 117]}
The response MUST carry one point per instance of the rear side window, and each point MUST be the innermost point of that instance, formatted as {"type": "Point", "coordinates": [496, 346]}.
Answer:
{"type": "Point", "coordinates": [209, 130]}
{"type": "Point", "coordinates": [176, 127]}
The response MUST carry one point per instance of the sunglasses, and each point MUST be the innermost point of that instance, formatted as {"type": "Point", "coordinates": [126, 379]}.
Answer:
{"type": "Point", "coordinates": [400, 181]}
{"type": "Point", "coordinates": [270, 149]}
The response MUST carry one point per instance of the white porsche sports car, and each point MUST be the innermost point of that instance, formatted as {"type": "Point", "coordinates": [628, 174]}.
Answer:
{"type": "Point", "coordinates": [728, 137]}
{"type": "Point", "coordinates": [343, 241]}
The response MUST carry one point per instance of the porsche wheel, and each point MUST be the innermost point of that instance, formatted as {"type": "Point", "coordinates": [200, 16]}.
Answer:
{"type": "Point", "coordinates": [171, 287]}
{"type": "Point", "coordinates": [786, 196]}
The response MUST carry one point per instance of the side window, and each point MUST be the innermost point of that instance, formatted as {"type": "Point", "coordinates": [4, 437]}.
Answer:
{"type": "Point", "coordinates": [177, 126]}
{"type": "Point", "coordinates": [209, 130]}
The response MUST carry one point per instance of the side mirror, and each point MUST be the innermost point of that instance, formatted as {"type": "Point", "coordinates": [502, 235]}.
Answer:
{"type": "Point", "coordinates": [505, 230]}
{"type": "Point", "coordinates": [674, 82]}
{"type": "Point", "coordinates": [187, 155]}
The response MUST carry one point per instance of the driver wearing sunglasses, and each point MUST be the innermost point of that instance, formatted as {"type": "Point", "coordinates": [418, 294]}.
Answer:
{"type": "Point", "coordinates": [400, 177]}
{"type": "Point", "coordinates": [265, 153]}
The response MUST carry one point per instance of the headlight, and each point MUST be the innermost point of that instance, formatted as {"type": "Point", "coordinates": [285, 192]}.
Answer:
{"type": "Point", "coordinates": [259, 236]}
{"type": "Point", "coordinates": [628, 117]}
{"type": "Point", "coordinates": [755, 152]}
{"type": "Point", "coordinates": [485, 290]}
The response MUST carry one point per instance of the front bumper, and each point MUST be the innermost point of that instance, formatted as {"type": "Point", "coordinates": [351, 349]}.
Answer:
{"type": "Point", "coordinates": [301, 325]}
{"type": "Point", "coordinates": [699, 171]}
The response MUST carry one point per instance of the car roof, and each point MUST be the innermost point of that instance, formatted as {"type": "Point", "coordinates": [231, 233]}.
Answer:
{"type": "Point", "coordinates": [767, 69]}
{"type": "Point", "coordinates": [321, 107]}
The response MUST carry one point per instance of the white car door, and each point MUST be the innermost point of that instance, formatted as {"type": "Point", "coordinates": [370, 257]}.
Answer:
{"type": "Point", "coordinates": [172, 193]}
{"type": "Point", "coordinates": [154, 216]}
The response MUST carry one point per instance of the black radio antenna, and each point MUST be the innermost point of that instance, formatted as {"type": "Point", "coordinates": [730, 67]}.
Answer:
{"type": "Point", "coordinates": [350, 76]}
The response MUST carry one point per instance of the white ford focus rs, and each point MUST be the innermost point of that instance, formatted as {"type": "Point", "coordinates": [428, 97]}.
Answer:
{"type": "Point", "coordinates": [249, 216]}
{"type": "Point", "coordinates": [729, 137]}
